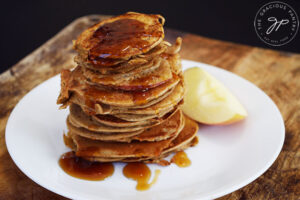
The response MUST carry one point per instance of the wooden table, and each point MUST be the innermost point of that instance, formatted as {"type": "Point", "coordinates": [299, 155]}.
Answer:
{"type": "Point", "coordinates": [277, 73]}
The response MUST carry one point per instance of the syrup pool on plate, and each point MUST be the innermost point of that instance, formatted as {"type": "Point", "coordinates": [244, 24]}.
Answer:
{"type": "Point", "coordinates": [84, 169]}
{"type": "Point", "coordinates": [141, 173]}
{"type": "Point", "coordinates": [181, 159]}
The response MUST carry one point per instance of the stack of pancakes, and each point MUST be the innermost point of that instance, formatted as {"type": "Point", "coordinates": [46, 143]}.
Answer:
{"type": "Point", "coordinates": [125, 94]}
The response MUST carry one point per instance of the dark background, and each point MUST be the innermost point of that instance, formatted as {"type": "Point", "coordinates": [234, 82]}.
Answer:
{"type": "Point", "coordinates": [25, 25]}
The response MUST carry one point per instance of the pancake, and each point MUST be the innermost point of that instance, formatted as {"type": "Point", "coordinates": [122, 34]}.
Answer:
{"type": "Point", "coordinates": [175, 63]}
{"type": "Point", "coordinates": [94, 77]}
{"type": "Point", "coordinates": [169, 128]}
{"type": "Point", "coordinates": [161, 161]}
{"type": "Point", "coordinates": [125, 67]}
{"type": "Point", "coordinates": [96, 148]}
{"type": "Point", "coordinates": [74, 82]}
{"type": "Point", "coordinates": [141, 117]}
{"type": "Point", "coordinates": [164, 49]}
{"type": "Point", "coordinates": [174, 49]}
{"type": "Point", "coordinates": [186, 138]}
{"type": "Point", "coordinates": [120, 37]}
{"type": "Point", "coordinates": [111, 120]}
{"type": "Point", "coordinates": [100, 108]}
{"type": "Point", "coordinates": [167, 103]}
{"type": "Point", "coordinates": [79, 119]}
{"type": "Point", "coordinates": [119, 67]}
{"type": "Point", "coordinates": [112, 136]}
{"type": "Point", "coordinates": [140, 80]}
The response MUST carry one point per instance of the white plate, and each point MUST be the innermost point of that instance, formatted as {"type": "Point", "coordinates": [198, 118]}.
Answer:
{"type": "Point", "coordinates": [226, 158]}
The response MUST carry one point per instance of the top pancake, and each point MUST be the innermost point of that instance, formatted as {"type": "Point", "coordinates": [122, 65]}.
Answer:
{"type": "Point", "coordinates": [120, 38]}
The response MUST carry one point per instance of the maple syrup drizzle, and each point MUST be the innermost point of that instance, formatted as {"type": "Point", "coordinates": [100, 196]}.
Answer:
{"type": "Point", "coordinates": [181, 159]}
{"type": "Point", "coordinates": [141, 97]}
{"type": "Point", "coordinates": [96, 171]}
{"type": "Point", "coordinates": [141, 173]}
{"type": "Point", "coordinates": [119, 37]}
{"type": "Point", "coordinates": [83, 169]}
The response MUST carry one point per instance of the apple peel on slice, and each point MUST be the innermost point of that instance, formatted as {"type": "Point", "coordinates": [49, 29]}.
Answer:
{"type": "Point", "coordinates": [208, 101]}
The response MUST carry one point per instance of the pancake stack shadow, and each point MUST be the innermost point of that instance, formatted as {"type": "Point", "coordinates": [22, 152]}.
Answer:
{"type": "Point", "coordinates": [125, 94]}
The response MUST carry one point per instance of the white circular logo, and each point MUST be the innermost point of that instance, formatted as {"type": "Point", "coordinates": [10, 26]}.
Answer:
{"type": "Point", "coordinates": [276, 23]}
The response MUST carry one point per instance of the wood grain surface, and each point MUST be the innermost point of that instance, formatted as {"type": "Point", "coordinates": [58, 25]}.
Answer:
{"type": "Point", "coordinates": [276, 73]}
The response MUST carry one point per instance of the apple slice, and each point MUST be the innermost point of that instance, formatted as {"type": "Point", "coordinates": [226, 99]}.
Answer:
{"type": "Point", "coordinates": [208, 101]}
